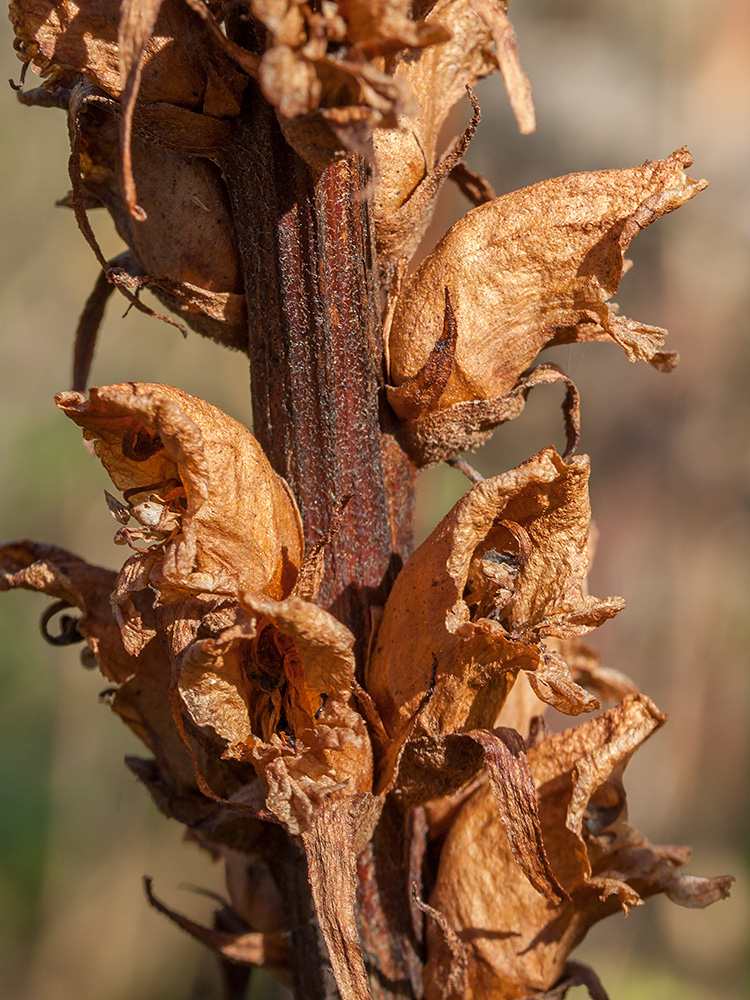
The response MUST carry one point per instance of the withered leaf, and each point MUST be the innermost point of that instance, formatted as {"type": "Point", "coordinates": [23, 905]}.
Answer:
{"type": "Point", "coordinates": [532, 269]}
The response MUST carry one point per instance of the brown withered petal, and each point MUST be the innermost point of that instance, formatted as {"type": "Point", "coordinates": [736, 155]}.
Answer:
{"type": "Point", "coordinates": [142, 700]}
{"type": "Point", "coordinates": [275, 687]}
{"type": "Point", "coordinates": [535, 268]}
{"type": "Point", "coordinates": [198, 484]}
{"type": "Point", "coordinates": [503, 571]}
{"type": "Point", "coordinates": [180, 63]}
{"type": "Point", "coordinates": [516, 942]}
{"type": "Point", "coordinates": [406, 156]}
{"type": "Point", "coordinates": [332, 761]}
{"type": "Point", "coordinates": [58, 573]}
{"type": "Point", "coordinates": [324, 72]}
{"type": "Point", "coordinates": [188, 231]}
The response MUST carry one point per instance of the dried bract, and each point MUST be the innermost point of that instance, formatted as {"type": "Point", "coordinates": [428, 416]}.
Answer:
{"type": "Point", "coordinates": [503, 572]}
{"type": "Point", "coordinates": [513, 941]}
{"type": "Point", "coordinates": [533, 269]}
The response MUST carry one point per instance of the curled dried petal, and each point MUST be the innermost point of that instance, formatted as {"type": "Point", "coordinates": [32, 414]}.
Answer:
{"type": "Point", "coordinates": [58, 573]}
{"type": "Point", "coordinates": [516, 942]}
{"type": "Point", "coordinates": [276, 688]}
{"type": "Point", "coordinates": [406, 156]}
{"type": "Point", "coordinates": [198, 484]}
{"type": "Point", "coordinates": [180, 63]}
{"type": "Point", "coordinates": [142, 699]}
{"type": "Point", "coordinates": [532, 269]}
{"type": "Point", "coordinates": [475, 603]}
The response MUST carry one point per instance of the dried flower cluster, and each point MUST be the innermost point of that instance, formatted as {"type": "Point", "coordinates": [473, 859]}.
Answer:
{"type": "Point", "coordinates": [420, 758]}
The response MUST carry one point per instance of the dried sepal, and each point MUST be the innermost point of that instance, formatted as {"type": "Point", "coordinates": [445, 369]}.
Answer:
{"type": "Point", "coordinates": [244, 947]}
{"type": "Point", "coordinates": [197, 485]}
{"type": "Point", "coordinates": [494, 13]}
{"type": "Point", "coordinates": [184, 249]}
{"type": "Point", "coordinates": [533, 269]}
{"type": "Point", "coordinates": [603, 864]}
{"type": "Point", "coordinates": [337, 834]}
{"type": "Point", "coordinates": [188, 232]}
{"type": "Point", "coordinates": [502, 572]}
{"type": "Point", "coordinates": [275, 687]}
{"type": "Point", "coordinates": [442, 434]}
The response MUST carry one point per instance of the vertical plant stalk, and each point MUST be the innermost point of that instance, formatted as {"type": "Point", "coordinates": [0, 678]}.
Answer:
{"type": "Point", "coordinates": [315, 347]}
{"type": "Point", "coordinates": [315, 343]}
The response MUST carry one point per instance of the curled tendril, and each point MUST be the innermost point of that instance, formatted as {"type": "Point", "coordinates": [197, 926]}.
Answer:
{"type": "Point", "coordinates": [68, 625]}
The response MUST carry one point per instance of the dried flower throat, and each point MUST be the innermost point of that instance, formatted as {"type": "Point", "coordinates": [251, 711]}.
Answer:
{"type": "Point", "coordinates": [353, 727]}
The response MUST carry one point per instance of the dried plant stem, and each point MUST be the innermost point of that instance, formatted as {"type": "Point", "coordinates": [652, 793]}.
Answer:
{"type": "Point", "coordinates": [317, 387]}
{"type": "Point", "coordinates": [314, 326]}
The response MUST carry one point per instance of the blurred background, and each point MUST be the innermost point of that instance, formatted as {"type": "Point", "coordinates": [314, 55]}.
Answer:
{"type": "Point", "coordinates": [615, 82]}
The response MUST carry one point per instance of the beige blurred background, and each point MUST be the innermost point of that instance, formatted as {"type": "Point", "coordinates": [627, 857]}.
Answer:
{"type": "Point", "coordinates": [616, 82]}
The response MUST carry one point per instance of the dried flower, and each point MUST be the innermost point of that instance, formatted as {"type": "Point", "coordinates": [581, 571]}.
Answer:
{"type": "Point", "coordinates": [530, 270]}
{"type": "Point", "coordinates": [391, 733]}
{"type": "Point", "coordinates": [508, 940]}
{"type": "Point", "coordinates": [502, 573]}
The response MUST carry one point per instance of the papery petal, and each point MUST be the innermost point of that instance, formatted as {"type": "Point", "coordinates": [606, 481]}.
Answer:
{"type": "Point", "coordinates": [142, 700]}
{"type": "Point", "coordinates": [515, 941]}
{"type": "Point", "coordinates": [58, 573]}
{"type": "Point", "coordinates": [285, 705]}
{"type": "Point", "coordinates": [439, 656]}
{"type": "Point", "coordinates": [181, 63]}
{"type": "Point", "coordinates": [234, 522]}
{"type": "Point", "coordinates": [406, 156]}
{"type": "Point", "coordinates": [188, 232]}
{"type": "Point", "coordinates": [531, 269]}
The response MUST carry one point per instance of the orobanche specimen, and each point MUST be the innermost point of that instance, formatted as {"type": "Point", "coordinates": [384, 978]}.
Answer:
{"type": "Point", "coordinates": [355, 728]}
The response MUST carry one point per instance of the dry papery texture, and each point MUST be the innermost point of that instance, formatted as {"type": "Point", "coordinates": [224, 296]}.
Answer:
{"type": "Point", "coordinates": [500, 575]}
{"type": "Point", "coordinates": [535, 269]}
{"type": "Point", "coordinates": [508, 940]}
{"type": "Point", "coordinates": [259, 674]}
{"type": "Point", "coordinates": [245, 689]}
{"type": "Point", "coordinates": [168, 78]}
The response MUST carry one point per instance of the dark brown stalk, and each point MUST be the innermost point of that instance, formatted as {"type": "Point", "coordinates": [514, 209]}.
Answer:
{"type": "Point", "coordinates": [316, 357]}
{"type": "Point", "coordinates": [315, 347]}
